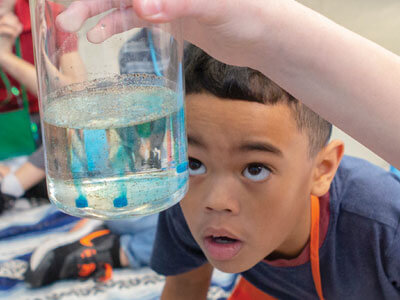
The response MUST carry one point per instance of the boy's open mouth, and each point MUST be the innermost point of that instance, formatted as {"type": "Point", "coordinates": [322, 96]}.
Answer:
{"type": "Point", "coordinates": [222, 247]}
{"type": "Point", "coordinates": [223, 239]}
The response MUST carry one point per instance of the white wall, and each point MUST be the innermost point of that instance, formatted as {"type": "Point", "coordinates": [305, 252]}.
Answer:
{"type": "Point", "coordinates": [379, 21]}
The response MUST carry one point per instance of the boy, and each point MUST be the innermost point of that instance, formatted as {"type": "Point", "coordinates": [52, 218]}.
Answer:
{"type": "Point", "coordinates": [270, 198]}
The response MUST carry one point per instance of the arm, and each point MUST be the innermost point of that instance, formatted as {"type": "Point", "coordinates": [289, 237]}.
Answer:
{"type": "Point", "coordinates": [191, 285]}
{"type": "Point", "coordinates": [19, 68]}
{"type": "Point", "coordinates": [347, 79]}
{"type": "Point", "coordinates": [71, 65]}
{"type": "Point", "coordinates": [29, 175]}
{"type": "Point", "coordinates": [25, 72]}
{"type": "Point", "coordinates": [72, 69]}
{"type": "Point", "coordinates": [24, 178]}
{"type": "Point", "coordinates": [66, 66]}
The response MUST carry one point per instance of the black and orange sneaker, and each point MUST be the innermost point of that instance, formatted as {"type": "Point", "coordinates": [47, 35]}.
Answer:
{"type": "Point", "coordinates": [6, 202]}
{"type": "Point", "coordinates": [78, 255]}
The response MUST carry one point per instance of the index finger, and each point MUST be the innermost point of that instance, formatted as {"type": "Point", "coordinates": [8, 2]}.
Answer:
{"type": "Point", "coordinates": [78, 12]}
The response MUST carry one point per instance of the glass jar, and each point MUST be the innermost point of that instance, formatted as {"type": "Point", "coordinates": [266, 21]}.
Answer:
{"type": "Point", "coordinates": [112, 116]}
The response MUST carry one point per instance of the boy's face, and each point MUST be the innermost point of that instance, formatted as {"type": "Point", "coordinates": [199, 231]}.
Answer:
{"type": "Point", "coordinates": [250, 183]}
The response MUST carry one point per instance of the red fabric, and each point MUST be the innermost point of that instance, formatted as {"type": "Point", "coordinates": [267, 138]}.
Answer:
{"type": "Point", "coordinates": [65, 41]}
{"type": "Point", "coordinates": [246, 291]}
{"type": "Point", "coordinates": [304, 256]}
{"type": "Point", "coordinates": [22, 12]}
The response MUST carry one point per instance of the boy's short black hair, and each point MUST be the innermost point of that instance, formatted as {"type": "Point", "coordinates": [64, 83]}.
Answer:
{"type": "Point", "coordinates": [204, 74]}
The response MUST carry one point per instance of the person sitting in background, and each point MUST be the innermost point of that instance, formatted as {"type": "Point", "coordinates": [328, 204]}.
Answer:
{"type": "Point", "coordinates": [19, 70]}
{"type": "Point", "coordinates": [15, 27]}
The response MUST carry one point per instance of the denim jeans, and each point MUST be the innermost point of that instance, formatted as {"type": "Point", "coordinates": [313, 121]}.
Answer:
{"type": "Point", "coordinates": [136, 238]}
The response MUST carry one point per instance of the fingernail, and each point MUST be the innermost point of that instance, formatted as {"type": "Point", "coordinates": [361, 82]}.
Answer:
{"type": "Point", "coordinates": [151, 7]}
{"type": "Point", "coordinates": [96, 35]}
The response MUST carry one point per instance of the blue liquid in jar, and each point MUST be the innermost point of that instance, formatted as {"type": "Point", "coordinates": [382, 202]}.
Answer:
{"type": "Point", "coordinates": [116, 150]}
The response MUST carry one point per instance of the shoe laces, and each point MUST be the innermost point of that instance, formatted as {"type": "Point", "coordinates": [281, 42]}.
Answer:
{"type": "Point", "coordinates": [90, 266]}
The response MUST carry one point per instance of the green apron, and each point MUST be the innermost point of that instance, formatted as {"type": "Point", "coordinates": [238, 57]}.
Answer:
{"type": "Point", "coordinates": [16, 136]}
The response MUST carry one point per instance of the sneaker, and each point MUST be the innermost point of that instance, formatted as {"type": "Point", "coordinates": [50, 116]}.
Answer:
{"type": "Point", "coordinates": [77, 256]}
{"type": "Point", "coordinates": [11, 205]}
{"type": "Point", "coordinates": [6, 202]}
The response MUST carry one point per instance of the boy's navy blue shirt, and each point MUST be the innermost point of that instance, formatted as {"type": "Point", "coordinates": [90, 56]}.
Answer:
{"type": "Point", "coordinates": [359, 258]}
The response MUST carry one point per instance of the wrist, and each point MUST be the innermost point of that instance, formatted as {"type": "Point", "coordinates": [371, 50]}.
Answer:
{"type": "Point", "coordinates": [266, 19]}
{"type": "Point", "coordinates": [290, 33]}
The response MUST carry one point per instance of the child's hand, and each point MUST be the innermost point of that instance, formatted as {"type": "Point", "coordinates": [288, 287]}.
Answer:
{"type": "Point", "coordinates": [10, 29]}
{"type": "Point", "coordinates": [226, 29]}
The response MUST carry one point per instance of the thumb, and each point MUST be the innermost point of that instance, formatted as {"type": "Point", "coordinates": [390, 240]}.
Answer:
{"type": "Point", "coordinates": [160, 11]}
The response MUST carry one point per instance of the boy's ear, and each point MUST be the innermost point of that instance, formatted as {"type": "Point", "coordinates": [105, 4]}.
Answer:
{"type": "Point", "coordinates": [326, 165]}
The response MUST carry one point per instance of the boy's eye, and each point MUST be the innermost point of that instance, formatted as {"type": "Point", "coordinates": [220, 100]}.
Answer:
{"type": "Point", "coordinates": [196, 167]}
{"type": "Point", "coordinates": [256, 172]}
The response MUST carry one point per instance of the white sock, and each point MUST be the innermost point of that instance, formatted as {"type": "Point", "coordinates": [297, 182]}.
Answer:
{"type": "Point", "coordinates": [11, 186]}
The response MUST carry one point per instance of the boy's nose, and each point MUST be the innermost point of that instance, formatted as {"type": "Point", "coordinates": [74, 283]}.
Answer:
{"type": "Point", "coordinates": [222, 196]}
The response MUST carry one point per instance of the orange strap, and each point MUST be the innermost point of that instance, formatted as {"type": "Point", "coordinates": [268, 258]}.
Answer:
{"type": "Point", "coordinates": [244, 290]}
{"type": "Point", "coordinates": [87, 240]}
{"type": "Point", "coordinates": [314, 246]}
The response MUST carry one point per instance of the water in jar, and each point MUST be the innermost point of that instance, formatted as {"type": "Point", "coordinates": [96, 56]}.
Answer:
{"type": "Point", "coordinates": [116, 150]}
